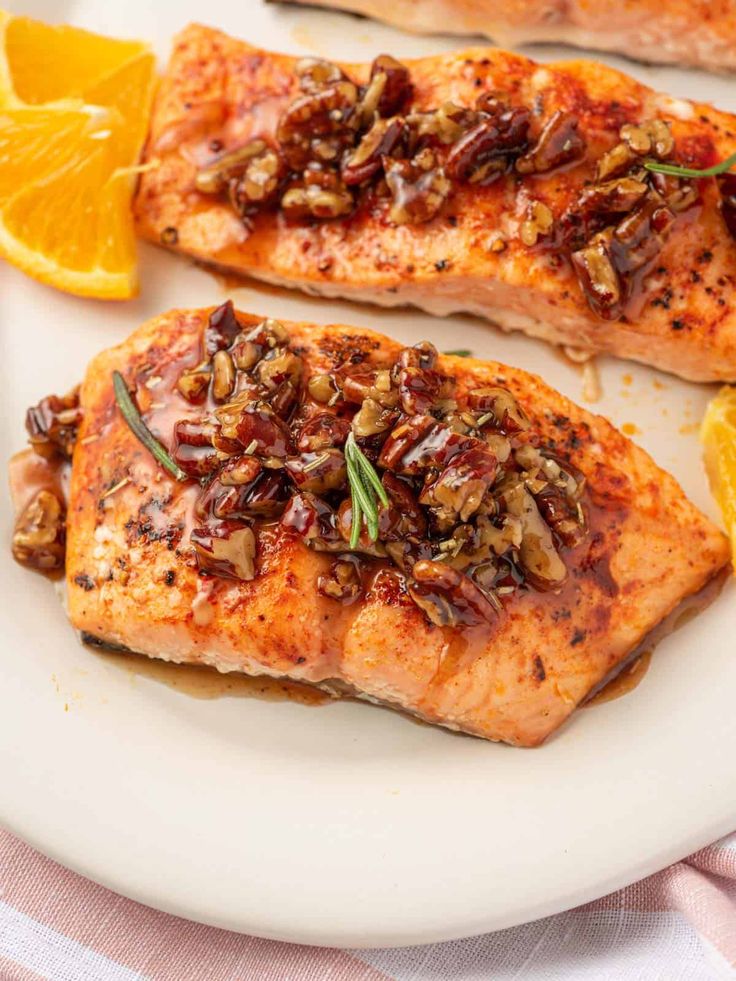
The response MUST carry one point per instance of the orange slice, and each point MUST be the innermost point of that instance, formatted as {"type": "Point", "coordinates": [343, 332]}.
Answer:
{"type": "Point", "coordinates": [45, 62]}
{"type": "Point", "coordinates": [73, 116]}
{"type": "Point", "coordinates": [718, 435]}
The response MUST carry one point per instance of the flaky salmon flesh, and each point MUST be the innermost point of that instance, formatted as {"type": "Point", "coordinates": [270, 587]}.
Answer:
{"type": "Point", "coordinates": [695, 33]}
{"type": "Point", "coordinates": [565, 254]}
{"type": "Point", "coordinates": [515, 675]}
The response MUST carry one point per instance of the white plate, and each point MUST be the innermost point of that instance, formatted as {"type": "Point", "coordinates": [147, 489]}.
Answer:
{"type": "Point", "coordinates": [343, 824]}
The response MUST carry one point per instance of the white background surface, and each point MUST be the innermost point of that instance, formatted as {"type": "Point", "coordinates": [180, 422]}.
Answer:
{"type": "Point", "coordinates": [343, 824]}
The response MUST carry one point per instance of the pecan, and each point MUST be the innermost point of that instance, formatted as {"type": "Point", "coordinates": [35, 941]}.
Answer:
{"type": "Point", "coordinates": [314, 200]}
{"type": "Point", "coordinates": [316, 73]}
{"type": "Point", "coordinates": [444, 125]}
{"type": "Point", "coordinates": [396, 91]}
{"type": "Point", "coordinates": [53, 425]}
{"type": "Point", "coordinates": [279, 366]}
{"type": "Point", "coordinates": [381, 140]}
{"type": "Point", "coordinates": [652, 137]}
{"type": "Point", "coordinates": [263, 497]}
{"type": "Point", "coordinates": [239, 470]}
{"type": "Point", "coordinates": [318, 472]}
{"type": "Point", "coordinates": [359, 383]}
{"type": "Point", "coordinates": [213, 178]}
{"type": "Point", "coordinates": [315, 521]}
{"type": "Point", "coordinates": [322, 431]}
{"type": "Point", "coordinates": [507, 414]}
{"type": "Point", "coordinates": [419, 389]}
{"type": "Point", "coordinates": [613, 197]}
{"type": "Point", "coordinates": [223, 376]}
{"type": "Point", "coordinates": [421, 442]}
{"type": "Point", "coordinates": [448, 597]}
{"type": "Point", "coordinates": [225, 548]}
{"type": "Point", "coordinates": [222, 328]}
{"type": "Point", "coordinates": [261, 431]}
{"type": "Point", "coordinates": [343, 581]}
{"type": "Point", "coordinates": [537, 223]}
{"type": "Point", "coordinates": [419, 188]}
{"type": "Point", "coordinates": [322, 388]}
{"type": "Point", "coordinates": [259, 183]}
{"type": "Point", "coordinates": [542, 566]}
{"type": "Point", "coordinates": [39, 533]}
{"type": "Point", "coordinates": [283, 399]}
{"type": "Point", "coordinates": [598, 276]}
{"type": "Point", "coordinates": [194, 382]}
{"type": "Point", "coordinates": [616, 162]}
{"type": "Point", "coordinates": [404, 517]}
{"type": "Point", "coordinates": [559, 515]}
{"type": "Point", "coordinates": [422, 355]}
{"type": "Point", "coordinates": [315, 126]}
{"type": "Point", "coordinates": [372, 418]}
{"type": "Point", "coordinates": [605, 267]}
{"type": "Point", "coordinates": [193, 449]}
{"type": "Point", "coordinates": [484, 151]}
{"type": "Point", "coordinates": [461, 486]}
{"type": "Point", "coordinates": [559, 143]}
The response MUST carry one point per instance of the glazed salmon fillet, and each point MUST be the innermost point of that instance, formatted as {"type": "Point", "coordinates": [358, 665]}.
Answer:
{"type": "Point", "coordinates": [493, 185]}
{"type": "Point", "coordinates": [493, 607]}
{"type": "Point", "coordinates": [697, 33]}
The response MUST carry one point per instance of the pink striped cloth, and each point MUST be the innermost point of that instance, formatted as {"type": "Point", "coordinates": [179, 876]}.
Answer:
{"type": "Point", "coordinates": [678, 925]}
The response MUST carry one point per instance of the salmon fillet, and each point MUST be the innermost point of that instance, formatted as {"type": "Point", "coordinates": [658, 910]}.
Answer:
{"type": "Point", "coordinates": [512, 674]}
{"type": "Point", "coordinates": [695, 33]}
{"type": "Point", "coordinates": [502, 250]}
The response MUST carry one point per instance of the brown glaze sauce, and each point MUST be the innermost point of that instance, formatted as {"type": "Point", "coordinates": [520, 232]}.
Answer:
{"type": "Point", "coordinates": [199, 681]}
{"type": "Point", "coordinates": [631, 673]}
{"type": "Point", "coordinates": [30, 473]}
{"type": "Point", "coordinates": [625, 681]}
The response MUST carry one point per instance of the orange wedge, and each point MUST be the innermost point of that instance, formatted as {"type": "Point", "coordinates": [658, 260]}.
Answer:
{"type": "Point", "coordinates": [718, 435]}
{"type": "Point", "coordinates": [73, 116]}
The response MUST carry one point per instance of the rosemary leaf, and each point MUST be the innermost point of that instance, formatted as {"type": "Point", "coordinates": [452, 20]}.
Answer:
{"type": "Point", "coordinates": [365, 489]}
{"type": "Point", "coordinates": [356, 517]}
{"type": "Point", "coordinates": [371, 477]}
{"type": "Point", "coordinates": [677, 171]}
{"type": "Point", "coordinates": [132, 416]}
{"type": "Point", "coordinates": [365, 499]}
{"type": "Point", "coordinates": [460, 352]}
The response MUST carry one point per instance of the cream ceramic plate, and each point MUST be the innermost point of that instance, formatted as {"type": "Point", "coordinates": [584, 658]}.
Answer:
{"type": "Point", "coordinates": [342, 824]}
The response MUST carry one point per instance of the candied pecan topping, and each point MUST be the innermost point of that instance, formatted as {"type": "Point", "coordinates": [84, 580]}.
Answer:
{"type": "Point", "coordinates": [340, 147]}
{"type": "Point", "coordinates": [39, 534]}
{"type": "Point", "coordinates": [343, 581]}
{"type": "Point", "coordinates": [396, 90]}
{"type": "Point", "coordinates": [53, 424]}
{"type": "Point", "coordinates": [381, 140]}
{"type": "Point", "coordinates": [559, 143]}
{"type": "Point", "coordinates": [419, 187]}
{"type": "Point", "coordinates": [473, 510]}
{"type": "Point", "coordinates": [484, 152]}
{"type": "Point", "coordinates": [225, 548]}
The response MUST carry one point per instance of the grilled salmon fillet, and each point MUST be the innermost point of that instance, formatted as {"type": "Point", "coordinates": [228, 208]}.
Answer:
{"type": "Point", "coordinates": [697, 33]}
{"type": "Point", "coordinates": [513, 670]}
{"type": "Point", "coordinates": [563, 234]}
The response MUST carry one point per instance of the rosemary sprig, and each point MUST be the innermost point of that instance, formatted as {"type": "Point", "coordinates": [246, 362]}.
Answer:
{"type": "Point", "coordinates": [675, 170]}
{"type": "Point", "coordinates": [461, 352]}
{"type": "Point", "coordinates": [366, 490]}
{"type": "Point", "coordinates": [129, 412]}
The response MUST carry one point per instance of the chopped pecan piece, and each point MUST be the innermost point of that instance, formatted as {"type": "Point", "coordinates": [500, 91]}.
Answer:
{"type": "Point", "coordinates": [448, 597]}
{"type": "Point", "coordinates": [39, 534]}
